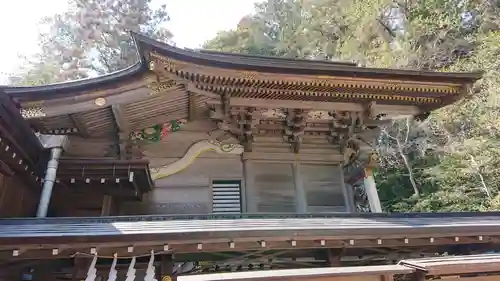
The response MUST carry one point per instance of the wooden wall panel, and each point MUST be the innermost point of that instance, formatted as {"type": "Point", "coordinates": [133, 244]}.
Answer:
{"type": "Point", "coordinates": [16, 198]}
{"type": "Point", "coordinates": [274, 189]}
{"type": "Point", "coordinates": [323, 188]}
{"type": "Point", "coordinates": [77, 202]}
{"type": "Point", "coordinates": [188, 191]}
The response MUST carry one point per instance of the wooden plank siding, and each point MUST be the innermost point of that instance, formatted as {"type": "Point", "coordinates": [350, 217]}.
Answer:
{"type": "Point", "coordinates": [16, 198]}
{"type": "Point", "coordinates": [323, 188]}
{"type": "Point", "coordinates": [188, 191]}
{"type": "Point", "coordinates": [274, 187]}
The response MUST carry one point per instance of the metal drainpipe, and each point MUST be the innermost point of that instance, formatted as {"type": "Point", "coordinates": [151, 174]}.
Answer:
{"type": "Point", "coordinates": [49, 180]}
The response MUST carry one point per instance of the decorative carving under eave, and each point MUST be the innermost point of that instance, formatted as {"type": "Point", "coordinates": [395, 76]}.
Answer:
{"type": "Point", "coordinates": [193, 152]}
{"type": "Point", "coordinates": [32, 112]}
{"type": "Point", "coordinates": [319, 115]}
{"type": "Point", "coordinates": [159, 63]}
{"type": "Point", "coordinates": [294, 126]}
{"type": "Point", "coordinates": [246, 123]}
{"type": "Point", "coordinates": [161, 86]}
{"type": "Point", "coordinates": [157, 132]}
{"type": "Point", "coordinates": [277, 113]}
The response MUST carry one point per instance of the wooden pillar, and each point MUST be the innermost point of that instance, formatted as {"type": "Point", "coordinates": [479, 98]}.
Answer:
{"type": "Point", "coordinates": [350, 207]}
{"type": "Point", "coordinates": [371, 191]}
{"type": "Point", "coordinates": [107, 202]}
{"type": "Point", "coordinates": [300, 194]}
{"type": "Point", "coordinates": [166, 268]}
{"type": "Point", "coordinates": [44, 271]}
{"type": "Point", "coordinates": [250, 195]}
{"type": "Point", "coordinates": [80, 268]}
{"type": "Point", "coordinates": [419, 276]}
{"type": "Point", "coordinates": [334, 256]}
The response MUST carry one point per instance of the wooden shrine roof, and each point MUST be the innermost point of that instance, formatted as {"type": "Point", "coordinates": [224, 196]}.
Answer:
{"type": "Point", "coordinates": [169, 84]}
{"type": "Point", "coordinates": [309, 75]}
{"type": "Point", "coordinates": [21, 151]}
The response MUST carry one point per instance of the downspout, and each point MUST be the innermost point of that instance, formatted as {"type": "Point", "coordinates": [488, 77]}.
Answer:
{"type": "Point", "coordinates": [56, 143]}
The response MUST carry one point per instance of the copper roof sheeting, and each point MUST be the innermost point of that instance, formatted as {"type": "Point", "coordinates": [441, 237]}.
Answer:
{"type": "Point", "coordinates": [231, 61]}
{"type": "Point", "coordinates": [455, 264]}
{"type": "Point", "coordinates": [334, 225]}
{"type": "Point", "coordinates": [306, 273]}
{"type": "Point", "coordinates": [290, 66]}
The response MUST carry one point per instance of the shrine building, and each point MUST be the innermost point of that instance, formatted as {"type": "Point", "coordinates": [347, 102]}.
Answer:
{"type": "Point", "coordinates": [191, 162]}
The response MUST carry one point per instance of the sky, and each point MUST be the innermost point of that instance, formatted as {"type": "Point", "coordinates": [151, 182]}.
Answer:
{"type": "Point", "coordinates": [192, 22]}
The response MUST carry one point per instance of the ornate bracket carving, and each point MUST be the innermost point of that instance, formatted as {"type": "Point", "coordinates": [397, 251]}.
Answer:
{"type": "Point", "coordinates": [193, 152]}
{"type": "Point", "coordinates": [294, 126]}
{"type": "Point", "coordinates": [157, 132]}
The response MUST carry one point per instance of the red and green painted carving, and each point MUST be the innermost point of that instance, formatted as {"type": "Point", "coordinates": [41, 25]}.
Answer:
{"type": "Point", "coordinates": [157, 132]}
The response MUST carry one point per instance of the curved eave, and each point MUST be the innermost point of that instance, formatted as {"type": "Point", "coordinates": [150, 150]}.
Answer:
{"type": "Point", "coordinates": [293, 66]}
{"type": "Point", "coordinates": [320, 62]}
{"type": "Point", "coordinates": [52, 91]}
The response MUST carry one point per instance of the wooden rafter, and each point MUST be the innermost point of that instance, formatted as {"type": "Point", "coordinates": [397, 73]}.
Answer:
{"type": "Point", "coordinates": [82, 129]}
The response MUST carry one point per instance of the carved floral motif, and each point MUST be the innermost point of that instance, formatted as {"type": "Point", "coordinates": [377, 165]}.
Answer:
{"type": "Point", "coordinates": [157, 132]}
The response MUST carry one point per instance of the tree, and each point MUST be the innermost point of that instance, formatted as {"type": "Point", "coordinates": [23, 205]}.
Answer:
{"type": "Point", "coordinates": [92, 38]}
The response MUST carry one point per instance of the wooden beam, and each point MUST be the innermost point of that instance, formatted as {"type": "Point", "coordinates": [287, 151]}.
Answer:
{"type": "Point", "coordinates": [294, 157]}
{"type": "Point", "coordinates": [106, 205]}
{"type": "Point", "coordinates": [192, 111]}
{"type": "Point", "coordinates": [314, 105]}
{"type": "Point", "coordinates": [334, 256]}
{"type": "Point", "coordinates": [123, 130]}
{"type": "Point", "coordinates": [82, 129]}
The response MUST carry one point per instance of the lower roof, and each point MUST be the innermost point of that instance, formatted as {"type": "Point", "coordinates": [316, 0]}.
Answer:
{"type": "Point", "coordinates": [306, 273]}
{"type": "Point", "coordinates": [214, 232]}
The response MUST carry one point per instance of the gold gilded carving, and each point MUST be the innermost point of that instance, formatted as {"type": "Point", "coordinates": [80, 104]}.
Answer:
{"type": "Point", "coordinates": [159, 87]}
{"type": "Point", "coordinates": [32, 112]}
{"type": "Point", "coordinates": [248, 75]}
{"type": "Point", "coordinates": [158, 62]}
{"type": "Point", "coordinates": [100, 101]}
{"type": "Point", "coordinates": [371, 161]}
{"type": "Point", "coordinates": [152, 65]}
{"type": "Point", "coordinates": [193, 152]}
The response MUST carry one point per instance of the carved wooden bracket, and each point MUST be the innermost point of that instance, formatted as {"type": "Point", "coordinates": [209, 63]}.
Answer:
{"type": "Point", "coordinates": [193, 152]}
{"type": "Point", "coordinates": [294, 126]}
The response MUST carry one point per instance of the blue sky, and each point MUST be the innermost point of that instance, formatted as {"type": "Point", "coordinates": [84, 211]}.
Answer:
{"type": "Point", "coordinates": [192, 23]}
